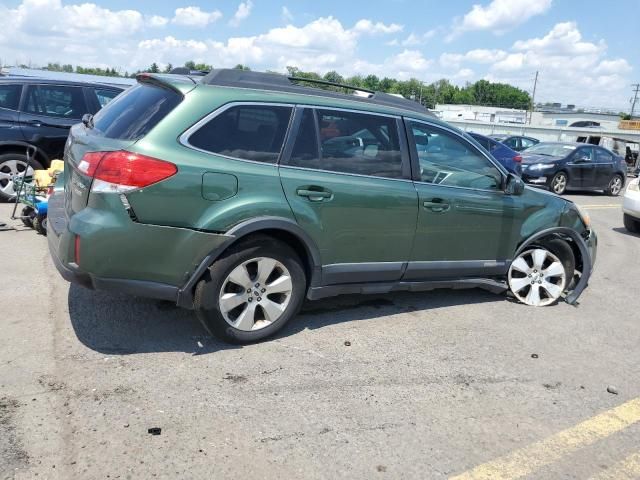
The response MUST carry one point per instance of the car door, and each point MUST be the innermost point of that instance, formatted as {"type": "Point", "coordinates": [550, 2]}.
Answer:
{"type": "Point", "coordinates": [49, 111]}
{"type": "Point", "coordinates": [582, 170]}
{"type": "Point", "coordinates": [346, 176]}
{"type": "Point", "coordinates": [9, 101]}
{"type": "Point", "coordinates": [467, 225]}
{"type": "Point", "coordinates": [604, 167]}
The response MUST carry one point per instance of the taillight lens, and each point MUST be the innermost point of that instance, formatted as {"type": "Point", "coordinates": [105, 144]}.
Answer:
{"type": "Point", "coordinates": [121, 171]}
{"type": "Point", "coordinates": [517, 158]}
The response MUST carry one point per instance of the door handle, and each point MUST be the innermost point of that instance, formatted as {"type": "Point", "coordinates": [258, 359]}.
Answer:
{"type": "Point", "coordinates": [436, 205]}
{"type": "Point", "coordinates": [314, 195]}
{"type": "Point", "coordinates": [35, 123]}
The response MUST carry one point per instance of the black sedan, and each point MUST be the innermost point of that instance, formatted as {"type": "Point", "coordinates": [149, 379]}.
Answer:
{"type": "Point", "coordinates": [573, 166]}
{"type": "Point", "coordinates": [516, 142]}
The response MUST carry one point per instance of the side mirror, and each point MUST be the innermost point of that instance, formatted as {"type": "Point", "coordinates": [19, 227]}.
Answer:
{"type": "Point", "coordinates": [87, 119]}
{"type": "Point", "coordinates": [514, 185]}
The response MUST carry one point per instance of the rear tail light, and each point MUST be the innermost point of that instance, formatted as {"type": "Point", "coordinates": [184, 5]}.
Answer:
{"type": "Point", "coordinates": [517, 158]}
{"type": "Point", "coordinates": [122, 171]}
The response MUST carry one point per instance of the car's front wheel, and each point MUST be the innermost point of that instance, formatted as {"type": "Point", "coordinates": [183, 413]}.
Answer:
{"type": "Point", "coordinates": [252, 291]}
{"type": "Point", "coordinates": [539, 275]}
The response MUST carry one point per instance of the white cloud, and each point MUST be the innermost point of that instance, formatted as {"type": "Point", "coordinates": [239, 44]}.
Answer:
{"type": "Point", "coordinates": [286, 15]}
{"type": "Point", "coordinates": [157, 21]}
{"type": "Point", "coordinates": [479, 55]}
{"type": "Point", "coordinates": [321, 45]}
{"type": "Point", "coordinates": [570, 68]}
{"type": "Point", "coordinates": [243, 11]}
{"type": "Point", "coordinates": [563, 39]}
{"type": "Point", "coordinates": [617, 66]}
{"type": "Point", "coordinates": [195, 17]}
{"type": "Point", "coordinates": [368, 27]}
{"type": "Point", "coordinates": [499, 16]}
{"type": "Point", "coordinates": [413, 40]}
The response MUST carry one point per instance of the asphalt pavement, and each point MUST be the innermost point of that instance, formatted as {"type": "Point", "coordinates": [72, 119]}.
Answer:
{"type": "Point", "coordinates": [462, 384]}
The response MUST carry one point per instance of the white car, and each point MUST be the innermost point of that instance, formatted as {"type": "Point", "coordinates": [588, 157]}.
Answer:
{"type": "Point", "coordinates": [631, 206]}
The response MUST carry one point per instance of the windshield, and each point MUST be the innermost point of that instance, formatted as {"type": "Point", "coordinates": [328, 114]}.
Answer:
{"type": "Point", "coordinates": [551, 149]}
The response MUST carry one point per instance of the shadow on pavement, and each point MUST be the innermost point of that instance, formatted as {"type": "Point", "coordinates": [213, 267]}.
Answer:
{"type": "Point", "coordinates": [624, 231]}
{"type": "Point", "coordinates": [117, 324]}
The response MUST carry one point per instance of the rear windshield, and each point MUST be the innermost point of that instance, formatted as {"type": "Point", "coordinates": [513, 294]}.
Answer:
{"type": "Point", "coordinates": [133, 114]}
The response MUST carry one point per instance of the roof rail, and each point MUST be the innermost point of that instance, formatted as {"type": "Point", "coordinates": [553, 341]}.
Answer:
{"type": "Point", "coordinates": [188, 71]}
{"type": "Point", "coordinates": [284, 83]}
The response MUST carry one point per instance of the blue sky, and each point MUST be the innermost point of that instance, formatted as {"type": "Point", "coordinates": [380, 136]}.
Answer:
{"type": "Point", "coordinates": [585, 51]}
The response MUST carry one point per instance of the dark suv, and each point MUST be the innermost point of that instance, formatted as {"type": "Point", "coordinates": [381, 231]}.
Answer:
{"type": "Point", "coordinates": [239, 194]}
{"type": "Point", "coordinates": [39, 113]}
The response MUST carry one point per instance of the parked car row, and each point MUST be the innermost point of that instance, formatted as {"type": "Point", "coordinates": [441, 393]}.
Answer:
{"type": "Point", "coordinates": [39, 113]}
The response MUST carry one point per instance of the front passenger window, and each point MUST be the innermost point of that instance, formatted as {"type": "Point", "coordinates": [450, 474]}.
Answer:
{"type": "Point", "coordinates": [448, 160]}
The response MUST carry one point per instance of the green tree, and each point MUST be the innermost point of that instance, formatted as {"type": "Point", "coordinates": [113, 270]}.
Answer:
{"type": "Point", "coordinates": [168, 68]}
{"type": "Point", "coordinates": [154, 68]}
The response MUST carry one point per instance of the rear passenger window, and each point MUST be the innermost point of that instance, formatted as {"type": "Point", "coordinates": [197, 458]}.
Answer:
{"type": "Point", "coordinates": [249, 132]}
{"type": "Point", "coordinates": [526, 143]}
{"type": "Point", "coordinates": [602, 156]}
{"type": "Point", "coordinates": [10, 96]}
{"type": "Point", "coordinates": [348, 142]}
{"type": "Point", "coordinates": [104, 96]}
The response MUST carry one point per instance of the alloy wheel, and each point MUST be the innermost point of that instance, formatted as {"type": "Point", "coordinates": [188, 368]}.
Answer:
{"type": "Point", "coordinates": [8, 170]}
{"type": "Point", "coordinates": [615, 186]}
{"type": "Point", "coordinates": [559, 183]}
{"type": "Point", "coordinates": [255, 294]}
{"type": "Point", "coordinates": [537, 277]}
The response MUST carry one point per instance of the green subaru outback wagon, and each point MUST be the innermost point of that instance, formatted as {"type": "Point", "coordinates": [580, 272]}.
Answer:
{"type": "Point", "coordinates": [239, 194]}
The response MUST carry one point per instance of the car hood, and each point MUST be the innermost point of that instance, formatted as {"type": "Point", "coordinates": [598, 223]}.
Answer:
{"type": "Point", "coordinates": [528, 158]}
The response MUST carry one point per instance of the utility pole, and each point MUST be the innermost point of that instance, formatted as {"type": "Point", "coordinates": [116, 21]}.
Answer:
{"type": "Point", "coordinates": [635, 97]}
{"type": "Point", "coordinates": [533, 97]}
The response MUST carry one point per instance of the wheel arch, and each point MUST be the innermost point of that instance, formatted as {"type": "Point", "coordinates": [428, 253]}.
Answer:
{"type": "Point", "coordinates": [283, 229]}
{"type": "Point", "coordinates": [580, 251]}
{"type": "Point", "coordinates": [20, 147]}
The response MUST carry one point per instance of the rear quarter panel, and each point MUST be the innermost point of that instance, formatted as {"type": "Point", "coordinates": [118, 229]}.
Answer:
{"type": "Point", "coordinates": [179, 201]}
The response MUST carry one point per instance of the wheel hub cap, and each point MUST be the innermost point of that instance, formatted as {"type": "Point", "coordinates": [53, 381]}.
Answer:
{"type": "Point", "coordinates": [255, 294]}
{"type": "Point", "coordinates": [537, 277]}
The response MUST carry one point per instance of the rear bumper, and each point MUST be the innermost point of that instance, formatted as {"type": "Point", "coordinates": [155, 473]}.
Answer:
{"type": "Point", "coordinates": [118, 254]}
{"type": "Point", "coordinates": [72, 273]}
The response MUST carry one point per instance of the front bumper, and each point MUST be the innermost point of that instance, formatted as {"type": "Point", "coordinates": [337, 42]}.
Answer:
{"type": "Point", "coordinates": [538, 179]}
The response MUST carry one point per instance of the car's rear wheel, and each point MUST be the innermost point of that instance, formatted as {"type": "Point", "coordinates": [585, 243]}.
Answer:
{"type": "Point", "coordinates": [252, 291]}
{"type": "Point", "coordinates": [539, 275]}
{"type": "Point", "coordinates": [559, 183]}
{"type": "Point", "coordinates": [12, 164]}
{"type": "Point", "coordinates": [632, 224]}
{"type": "Point", "coordinates": [615, 186]}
